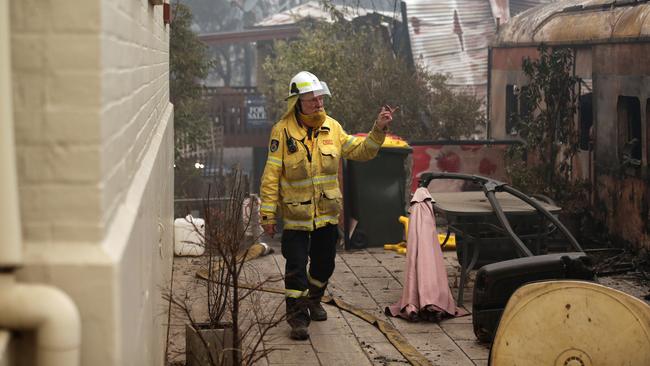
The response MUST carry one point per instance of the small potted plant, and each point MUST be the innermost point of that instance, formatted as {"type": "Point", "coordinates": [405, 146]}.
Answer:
{"type": "Point", "coordinates": [221, 336]}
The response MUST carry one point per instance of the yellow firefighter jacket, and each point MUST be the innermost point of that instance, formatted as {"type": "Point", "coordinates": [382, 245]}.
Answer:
{"type": "Point", "coordinates": [300, 178]}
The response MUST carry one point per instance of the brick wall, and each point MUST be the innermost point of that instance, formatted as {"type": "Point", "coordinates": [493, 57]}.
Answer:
{"type": "Point", "coordinates": [135, 91]}
{"type": "Point", "coordinates": [94, 141]}
{"type": "Point", "coordinates": [90, 85]}
{"type": "Point", "coordinates": [56, 79]}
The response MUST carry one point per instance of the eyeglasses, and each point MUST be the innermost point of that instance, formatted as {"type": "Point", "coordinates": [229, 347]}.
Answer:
{"type": "Point", "coordinates": [314, 100]}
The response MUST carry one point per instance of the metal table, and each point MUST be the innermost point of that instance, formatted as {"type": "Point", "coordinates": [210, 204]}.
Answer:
{"type": "Point", "coordinates": [476, 204]}
{"type": "Point", "coordinates": [470, 215]}
{"type": "Point", "coordinates": [483, 217]}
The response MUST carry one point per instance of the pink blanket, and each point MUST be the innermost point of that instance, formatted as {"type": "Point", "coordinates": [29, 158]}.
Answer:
{"type": "Point", "coordinates": [426, 293]}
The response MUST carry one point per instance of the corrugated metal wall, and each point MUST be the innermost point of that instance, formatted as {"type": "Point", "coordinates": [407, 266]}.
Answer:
{"type": "Point", "coordinates": [452, 36]}
{"type": "Point", "coordinates": [517, 6]}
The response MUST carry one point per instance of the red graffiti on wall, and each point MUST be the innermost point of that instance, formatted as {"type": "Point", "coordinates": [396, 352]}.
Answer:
{"type": "Point", "coordinates": [486, 160]}
{"type": "Point", "coordinates": [486, 167]}
{"type": "Point", "coordinates": [448, 162]}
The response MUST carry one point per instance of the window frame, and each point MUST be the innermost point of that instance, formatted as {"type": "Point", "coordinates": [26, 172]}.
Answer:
{"type": "Point", "coordinates": [630, 127]}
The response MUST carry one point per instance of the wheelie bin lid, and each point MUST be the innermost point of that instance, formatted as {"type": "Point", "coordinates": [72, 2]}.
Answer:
{"type": "Point", "coordinates": [391, 142]}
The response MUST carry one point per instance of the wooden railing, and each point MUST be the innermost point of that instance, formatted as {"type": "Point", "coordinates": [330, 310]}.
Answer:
{"type": "Point", "coordinates": [227, 110]}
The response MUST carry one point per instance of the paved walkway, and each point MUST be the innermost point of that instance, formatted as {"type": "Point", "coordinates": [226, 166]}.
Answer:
{"type": "Point", "coordinates": [371, 280]}
{"type": "Point", "coordinates": [368, 279]}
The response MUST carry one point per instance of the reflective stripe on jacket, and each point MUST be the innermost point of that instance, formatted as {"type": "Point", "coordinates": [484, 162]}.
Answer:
{"type": "Point", "coordinates": [303, 185]}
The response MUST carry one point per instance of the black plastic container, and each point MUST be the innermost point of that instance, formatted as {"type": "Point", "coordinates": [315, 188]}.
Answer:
{"type": "Point", "coordinates": [375, 196]}
{"type": "Point", "coordinates": [496, 282]}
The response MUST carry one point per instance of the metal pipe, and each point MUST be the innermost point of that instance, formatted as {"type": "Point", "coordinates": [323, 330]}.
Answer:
{"type": "Point", "coordinates": [45, 309]}
{"type": "Point", "coordinates": [48, 311]}
{"type": "Point", "coordinates": [426, 178]}
{"type": "Point", "coordinates": [5, 355]}
{"type": "Point", "coordinates": [501, 216]}
{"type": "Point", "coordinates": [10, 249]}
{"type": "Point", "coordinates": [488, 133]}
{"type": "Point", "coordinates": [548, 215]}
{"type": "Point", "coordinates": [490, 186]}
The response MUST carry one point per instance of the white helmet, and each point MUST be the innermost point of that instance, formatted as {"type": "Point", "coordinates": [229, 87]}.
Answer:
{"type": "Point", "coordinates": [305, 82]}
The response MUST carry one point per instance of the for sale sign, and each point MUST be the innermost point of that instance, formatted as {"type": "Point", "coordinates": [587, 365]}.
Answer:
{"type": "Point", "coordinates": [256, 116]}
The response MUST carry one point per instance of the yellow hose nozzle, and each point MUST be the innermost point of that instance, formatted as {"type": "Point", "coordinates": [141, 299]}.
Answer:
{"type": "Point", "coordinates": [394, 246]}
{"type": "Point", "coordinates": [451, 241]}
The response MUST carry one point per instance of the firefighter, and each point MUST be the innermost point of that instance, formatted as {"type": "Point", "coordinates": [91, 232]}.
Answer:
{"type": "Point", "coordinates": [300, 181]}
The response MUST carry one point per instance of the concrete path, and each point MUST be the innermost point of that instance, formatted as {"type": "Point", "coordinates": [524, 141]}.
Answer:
{"type": "Point", "coordinates": [368, 279]}
{"type": "Point", "coordinates": [371, 280]}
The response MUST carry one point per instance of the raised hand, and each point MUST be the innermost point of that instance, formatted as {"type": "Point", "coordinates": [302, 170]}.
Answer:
{"type": "Point", "coordinates": [385, 117]}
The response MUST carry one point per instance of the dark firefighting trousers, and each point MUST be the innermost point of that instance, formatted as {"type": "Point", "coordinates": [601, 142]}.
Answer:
{"type": "Point", "coordinates": [298, 247]}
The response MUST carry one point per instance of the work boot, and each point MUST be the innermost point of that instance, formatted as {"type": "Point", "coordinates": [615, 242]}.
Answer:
{"type": "Point", "coordinates": [316, 310]}
{"type": "Point", "coordinates": [299, 333]}
{"type": "Point", "coordinates": [298, 318]}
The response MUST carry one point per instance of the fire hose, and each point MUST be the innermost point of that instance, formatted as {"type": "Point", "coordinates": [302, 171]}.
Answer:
{"type": "Point", "coordinates": [393, 335]}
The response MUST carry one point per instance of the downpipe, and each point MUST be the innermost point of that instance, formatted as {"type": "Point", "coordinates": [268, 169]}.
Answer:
{"type": "Point", "coordinates": [49, 312]}
{"type": "Point", "coordinates": [41, 308]}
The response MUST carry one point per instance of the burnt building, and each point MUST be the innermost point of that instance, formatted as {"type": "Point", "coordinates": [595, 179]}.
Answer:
{"type": "Point", "coordinates": [610, 41]}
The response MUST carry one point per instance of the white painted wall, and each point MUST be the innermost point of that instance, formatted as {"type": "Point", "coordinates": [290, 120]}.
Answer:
{"type": "Point", "coordinates": [94, 137]}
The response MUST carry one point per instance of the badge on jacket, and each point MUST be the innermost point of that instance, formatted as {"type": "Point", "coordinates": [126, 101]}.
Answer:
{"type": "Point", "coordinates": [274, 145]}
